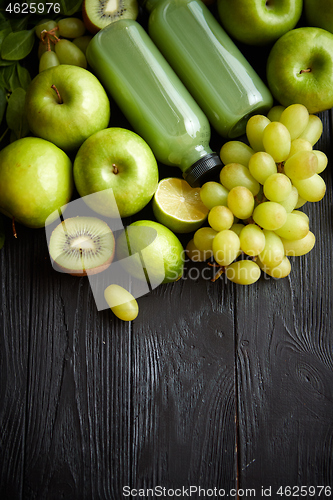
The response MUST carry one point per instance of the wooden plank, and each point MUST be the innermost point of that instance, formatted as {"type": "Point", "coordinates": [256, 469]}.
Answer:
{"type": "Point", "coordinates": [110, 404]}
{"type": "Point", "coordinates": [15, 294]}
{"type": "Point", "coordinates": [284, 365]}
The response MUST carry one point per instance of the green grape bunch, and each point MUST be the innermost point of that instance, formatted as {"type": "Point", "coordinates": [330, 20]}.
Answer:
{"type": "Point", "coordinates": [255, 221]}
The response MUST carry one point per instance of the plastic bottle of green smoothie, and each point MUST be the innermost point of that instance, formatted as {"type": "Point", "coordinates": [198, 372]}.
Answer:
{"type": "Point", "coordinates": [153, 99]}
{"type": "Point", "coordinates": [207, 61]}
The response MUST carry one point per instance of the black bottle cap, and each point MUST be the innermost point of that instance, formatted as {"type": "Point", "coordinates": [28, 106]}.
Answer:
{"type": "Point", "coordinates": [203, 170]}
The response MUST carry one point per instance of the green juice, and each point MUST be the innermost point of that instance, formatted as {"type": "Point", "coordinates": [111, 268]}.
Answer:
{"type": "Point", "coordinates": [210, 65]}
{"type": "Point", "coordinates": [153, 99]}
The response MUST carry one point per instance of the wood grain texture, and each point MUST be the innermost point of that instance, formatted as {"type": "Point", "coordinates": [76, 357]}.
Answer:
{"type": "Point", "coordinates": [285, 364]}
{"type": "Point", "coordinates": [214, 384]}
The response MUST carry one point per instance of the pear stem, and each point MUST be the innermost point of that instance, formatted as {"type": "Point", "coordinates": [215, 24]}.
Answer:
{"type": "Point", "coordinates": [57, 91]}
{"type": "Point", "coordinates": [308, 70]}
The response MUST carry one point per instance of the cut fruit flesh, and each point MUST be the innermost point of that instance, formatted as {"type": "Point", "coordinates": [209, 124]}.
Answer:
{"type": "Point", "coordinates": [178, 206]}
{"type": "Point", "coordinates": [82, 246]}
{"type": "Point", "coordinates": [100, 13]}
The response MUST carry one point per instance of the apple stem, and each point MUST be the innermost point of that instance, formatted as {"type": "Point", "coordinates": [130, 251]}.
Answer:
{"type": "Point", "coordinates": [308, 70]}
{"type": "Point", "coordinates": [115, 168]}
{"type": "Point", "coordinates": [14, 228]}
{"type": "Point", "coordinates": [57, 91]}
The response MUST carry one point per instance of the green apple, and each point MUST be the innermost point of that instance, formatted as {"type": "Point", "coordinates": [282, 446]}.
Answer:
{"type": "Point", "coordinates": [36, 179]}
{"type": "Point", "coordinates": [119, 159]}
{"type": "Point", "coordinates": [259, 22]}
{"type": "Point", "coordinates": [300, 69]}
{"type": "Point", "coordinates": [65, 105]}
{"type": "Point", "coordinates": [320, 15]}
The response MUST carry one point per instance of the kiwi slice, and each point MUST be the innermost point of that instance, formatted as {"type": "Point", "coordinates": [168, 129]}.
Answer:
{"type": "Point", "coordinates": [82, 246]}
{"type": "Point", "coordinates": [99, 13]}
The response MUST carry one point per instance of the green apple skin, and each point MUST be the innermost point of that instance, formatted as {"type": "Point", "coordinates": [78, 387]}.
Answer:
{"type": "Point", "coordinates": [85, 106]}
{"type": "Point", "coordinates": [300, 69]}
{"type": "Point", "coordinates": [120, 159]}
{"type": "Point", "coordinates": [319, 14]}
{"type": "Point", "coordinates": [259, 22]}
{"type": "Point", "coordinates": [36, 179]}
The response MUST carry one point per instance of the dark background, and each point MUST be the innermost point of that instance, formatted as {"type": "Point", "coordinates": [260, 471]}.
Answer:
{"type": "Point", "coordinates": [213, 385]}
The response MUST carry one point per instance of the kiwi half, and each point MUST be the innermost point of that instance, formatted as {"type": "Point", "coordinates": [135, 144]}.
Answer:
{"type": "Point", "coordinates": [97, 14]}
{"type": "Point", "coordinates": [82, 246]}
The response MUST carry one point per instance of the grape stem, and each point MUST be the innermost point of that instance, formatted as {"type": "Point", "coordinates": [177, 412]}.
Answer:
{"type": "Point", "coordinates": [219, 272]}
{"type": "Point", "coordinates": [58, 94]}
{"type": "Point", "coordinates": [49, 36]}
{"type": "Point", "coordinates": [13, 227]}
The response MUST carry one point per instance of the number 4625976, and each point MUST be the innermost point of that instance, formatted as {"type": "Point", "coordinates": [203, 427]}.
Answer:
{"type": "Point", "coordinates": [33, 8]}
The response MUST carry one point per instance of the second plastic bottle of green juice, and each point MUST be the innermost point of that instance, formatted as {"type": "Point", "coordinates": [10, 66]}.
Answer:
{"type": "Point", "coordinates": [153, 99]}
{"type": "Point", "coordinates": [207, 61]}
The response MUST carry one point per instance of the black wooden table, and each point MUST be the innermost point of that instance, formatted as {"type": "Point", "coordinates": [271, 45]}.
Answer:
{"type": "Point", "coordinates": [215, 391]}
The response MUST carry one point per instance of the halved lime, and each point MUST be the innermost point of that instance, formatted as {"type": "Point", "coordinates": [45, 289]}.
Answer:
{"type": "Point", "coordinates": [178, 206]}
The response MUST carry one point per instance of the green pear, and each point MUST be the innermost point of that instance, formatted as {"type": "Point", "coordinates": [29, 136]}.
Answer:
{"type": "Point", "coordinates": [36, 179]}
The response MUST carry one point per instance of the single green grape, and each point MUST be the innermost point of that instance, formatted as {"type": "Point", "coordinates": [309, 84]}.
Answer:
{"type": "Point", "coordinates": [273, 252]}
{"type": "Point", "coordinates": [237, 228]}
{"type": "Point", "coordinates": [213, 193]}
{"type": "Point", "coordinates": [48, 60]}
{"type": "Point", "coordinates": [301, 165]}
{"type": "Point", "coordinates": [236, 152]}
{"type": "Point", "coordinates": [269, 215]}
{"type": "Point", "coordinates": [261, 166]}
{"type": "Point", "coordinates": [197, 255]}
{"type": "Point", "coordinates": [241, 202]}
{"type": "Point", "coordinates": [280, 271]}
{"type": "Point", "coordinates": [296, 248]}
{"type": "Point", "coordinates": [275, 112]}
{"type": "Point", "coordinates": [291, 201]}
{"type": "Point", "coordinates": [243, 272]}
{"type": "Point", "coordinates": [299, 144]}
{"type": "Point", "coordinates": [311, 189]}
{"type": "Point", "coordinates": [69, 53]}
{"type": "Point", "coordinates": [295, 227]}
{"type": "Point", "coordinates": [254, 131]}
{"type": "Point", "coordinates": [235, 174]}
{"type": "Point", "coordinates": [226, 246]}
{"type": "Point", "coordinates": [277, 187]}
{"type": "Point", "coordinates": [203, 238]}
{"type": "Point", "coordinates": [45, 26]}
{"type": "Point", "coordinates": [322, 161]}
{"type": "Point", "coordinates": [313, 130]}
{"type": "Point", "coordinates": [302, 214]}
{"type": "Point", "coordinates": [82, 42]}
{"type": "Point", "coordinates": [71, 27]}
{"type": "Point", "coordinates": [276, 140]}
{"type": "Point", "coordinates": [252, 240]}
{"type": "Point", "coordinates": [296, 118]}
{"type": "Point", "coordinates": [121, 302]}
{"type": "Point", "coordinates": [220, 217]}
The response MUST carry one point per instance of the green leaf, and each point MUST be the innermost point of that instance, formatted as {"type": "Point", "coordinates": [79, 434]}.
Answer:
{"type": "Point", "coordinates": [3, 33]}
{"type": "Point", "coordinates": [15, 115]}
{"type": "Point", "coordinates": [23, 76]}
{"type": "Point", "coordinates": [9, 79]}
{"type": "Point", "coordinates": [20, 24]}
{"type": "Point", "coordinates": [2, 232]}
{"type": "Point", "coordinates": [69, 7]}
{"type": "Point", "coordinates": [17, 45]}
{"type": "Point", "coordinates": [6, 63]}
{"type": "Point", "coordinates": [3, 103]}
